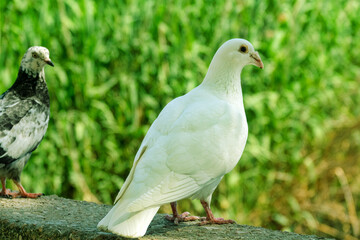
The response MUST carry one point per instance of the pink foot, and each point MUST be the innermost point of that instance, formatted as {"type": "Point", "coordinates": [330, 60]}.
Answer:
{"type": "Point", "coordinates": [217, 221]}
{"type": "Point", "coordinates": [25, 194]}
{"type": "Point", "coordinates": [6, 193]}
{"type": "Point", "coordinates": [184, 217]}
{"type": "Point", "coordinates": [30, 195]}
{"type": "Point", "coordinates": [210, 219]}
{"type": "Point", "coordinates": [9, 194]}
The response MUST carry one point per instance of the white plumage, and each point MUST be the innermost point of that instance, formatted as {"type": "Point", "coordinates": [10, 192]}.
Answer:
{"type": "Point", "coordinates": [194, 142]}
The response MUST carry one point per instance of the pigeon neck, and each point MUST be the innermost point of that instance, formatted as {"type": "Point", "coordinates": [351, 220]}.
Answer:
{"type": "Point", "coordinates": [224, 80]}
{"type": "Point", "coordinates": [31, 85]}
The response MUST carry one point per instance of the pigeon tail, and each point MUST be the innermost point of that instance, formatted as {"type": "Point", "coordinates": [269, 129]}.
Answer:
{"type": "Point", "coordinates": [127, 224]}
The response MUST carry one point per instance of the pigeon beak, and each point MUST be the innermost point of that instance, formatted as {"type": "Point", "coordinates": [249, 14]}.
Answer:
{"type": "Point", "coordinates": [48, 61]}
{"type": "Point", "coordinates": [257, 60]}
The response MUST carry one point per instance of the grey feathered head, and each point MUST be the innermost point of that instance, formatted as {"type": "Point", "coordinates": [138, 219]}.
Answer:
{"type": "Point", "coordinates": [35, 59]}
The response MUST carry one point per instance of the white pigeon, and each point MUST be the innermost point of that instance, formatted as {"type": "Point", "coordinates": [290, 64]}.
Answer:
{"type": "Point", "coordinates": [194, 142]}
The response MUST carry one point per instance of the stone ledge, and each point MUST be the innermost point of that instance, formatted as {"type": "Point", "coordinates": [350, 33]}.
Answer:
{"type": "Point", "coordinates": [53, 217]}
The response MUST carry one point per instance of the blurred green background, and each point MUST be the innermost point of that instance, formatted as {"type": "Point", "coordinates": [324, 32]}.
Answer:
{"type": "Point", "coordinates": [118, 63]}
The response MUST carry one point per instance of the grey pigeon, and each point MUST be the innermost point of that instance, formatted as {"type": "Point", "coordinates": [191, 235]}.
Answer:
{"type": "Point", "coordinates": [24, 118]}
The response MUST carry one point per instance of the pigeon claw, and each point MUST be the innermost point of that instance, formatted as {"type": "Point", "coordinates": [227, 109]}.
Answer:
{"type": "Point", "coordinates": [184, 217]}
{"type": "Point", "coordinates": [6, 194]}
{"type": "Point", "coordinates": [30, 195]}
{"type": "Point", "coordinates": [10, 194]}
{"type": "Point", "coordinates": [210, 219]}
{"type": "Point", "coordinates": [216, 221]}
{"type": "Point", "coordinates": [25, 194]}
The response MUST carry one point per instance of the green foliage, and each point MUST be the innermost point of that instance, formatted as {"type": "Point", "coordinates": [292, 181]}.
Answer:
{"type": "Point", "coordinates": [118, 63]}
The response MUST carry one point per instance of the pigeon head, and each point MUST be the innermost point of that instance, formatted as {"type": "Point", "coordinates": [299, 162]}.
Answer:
{"type": "Point", "coordinates": [35, 59]}
{"type": "Point", "coordinates": [225, 68]}
{"type": "Point", "coordinates": [239, 53]}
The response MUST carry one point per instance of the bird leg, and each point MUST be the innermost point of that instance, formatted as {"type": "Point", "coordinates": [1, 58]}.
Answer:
{"type": "Point", "coordinates": [176, 218]}
{"type": "Point", "coordinates": [210, 219]}
{"type": "Point", "coordinates": [25, 194]}
{"type": "Point", "coordinates": [4, 192]}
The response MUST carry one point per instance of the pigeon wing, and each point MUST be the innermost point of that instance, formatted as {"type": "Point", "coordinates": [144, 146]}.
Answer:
{"type": "Point", "coordinates": [18, 120]}
{"type": "Point", "coordinates": [178, 157]}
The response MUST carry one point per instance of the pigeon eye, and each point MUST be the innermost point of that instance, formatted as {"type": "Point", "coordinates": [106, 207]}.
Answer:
{"type": "Point", "coordinates": [243, 49]}
{"type": "Point", "coordinates": [34, 55]}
